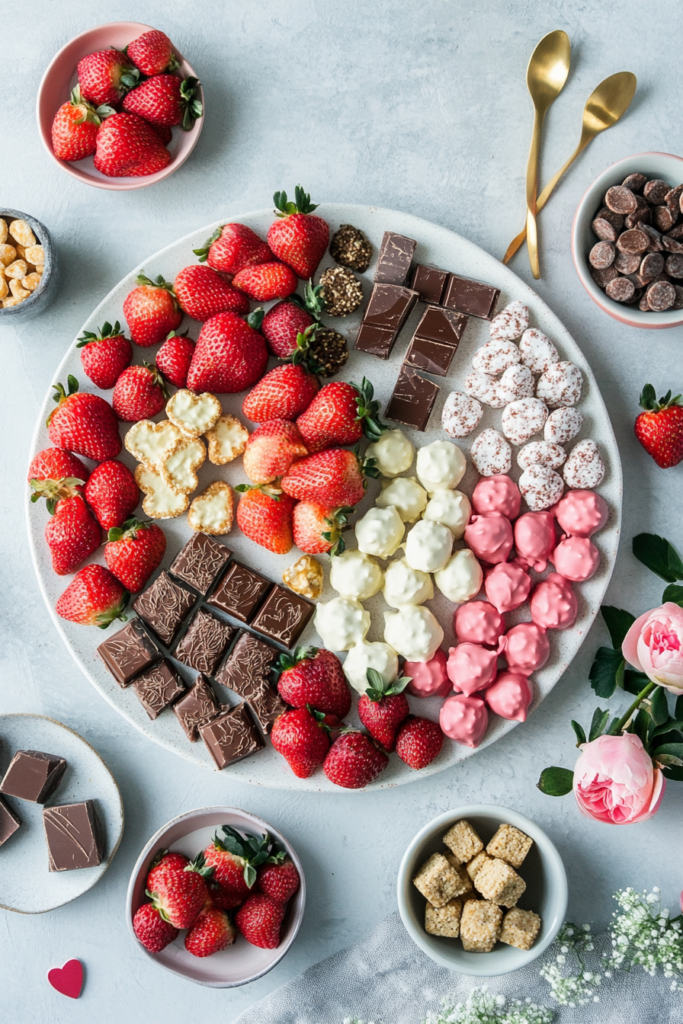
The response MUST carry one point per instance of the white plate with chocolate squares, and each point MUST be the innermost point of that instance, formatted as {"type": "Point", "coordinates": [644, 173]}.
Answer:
{"type": "Point", "coordinates": [436, 248]}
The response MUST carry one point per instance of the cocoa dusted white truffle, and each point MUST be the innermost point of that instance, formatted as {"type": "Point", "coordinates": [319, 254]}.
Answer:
{"type": "Point", "coordinates": [538, 351]}
{"type": "Point", "coordinates": [413, 632]}
{"type": "Point", "coordinates": [560, 384]}
{"type": "Point", "coordinates": [510, 323]}
{"type": "Point", "coordinates": [451, 509]}
{"type": "Point", "coordinates": [428, 546]}
{"type": "Point", "coordinates": [541, 487]}
{"type": "Point", "coordinates": [461, 414]}
{"type": "Point", "coordinates": [393, 452]}
{"type": "Point", "coordinates": [491, 453]}
{"type": "Point", "coordinates": [562, 425]}
{"type": "Point", "coordinates": [406, 495]}
{"type": "Point", "coordinates": [380, 656]}
{"type": "Point", "coordinates": [541, 453]}
{"type": "Point", "coordinates": [380, 531]}
{"type": "Point", "coordinates": [524, 418]}
{"type": "Point", "coordinates": [440, 464]}
{"type": "Point", "coordinates": [584, 467]}
{"type": "Point", "coordinates": [403, 585]}
{"type": "Point", "coordinates": [461, 578]}
{"type": "Point", "coordinates": [355, 574]}
{"type": "Point", "coordinates": [495, 356]}
{"type": "Point", "coordinates": [342, 623]}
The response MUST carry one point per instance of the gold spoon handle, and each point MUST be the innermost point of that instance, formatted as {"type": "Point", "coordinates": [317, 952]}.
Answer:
{"type": "Point", "coordinates": [531, 188]}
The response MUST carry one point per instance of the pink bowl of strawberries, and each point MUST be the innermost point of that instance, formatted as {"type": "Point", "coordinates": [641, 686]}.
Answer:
{"type": "Point", "coordinates": [119, 107]}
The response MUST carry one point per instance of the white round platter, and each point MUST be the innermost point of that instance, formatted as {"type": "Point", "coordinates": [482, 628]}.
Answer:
{"type": "Point", "coordinates": [27, 886]}
{"type": "Point", "coordinates": [436, 246]}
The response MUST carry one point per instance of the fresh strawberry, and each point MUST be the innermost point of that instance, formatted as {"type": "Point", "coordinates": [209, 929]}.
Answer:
{"type": "Point", "coordinates": [282, 326]}
{"type": "Point", "coordinates": [317, 529]}
{"type": "Point", "coordinates": [134, 551]}
{"type": "Point", "coordinates": [314, 677]}
{"type": "Point", "coordinates": [339, 415]}
{"type": "Point", "coordinates": [284, 392]}
{"type": "Point", "coordinates": [151, 311]}
{"type": "Point", "coordinates": [266, 281]}
{"type": "Point", "coordinates": [230, 355]}
{"type": "Point", "coordinates": [235, 859]}
{"type": "Point", "coordinates": [211, 932]}
{"type": "Point", "coordinates": [354, 761]}
{"type": "Point", "coordinates": [72, 535]}
{"type": "Point", "coordinates": [128, 147]}
{"type": "Point", "coordinates": [202, 293]}
{"type": "Point", "coordinates": [333, 478]}
{"type": "Point", "coordinates": [259, 921]}
{"type": "Point", "coordinates": [271, 450]}
{"type": "Point", "coordinates": [112, 493]}
{"type": "Point", "coordinates": [105, 76]}
{"type": "Point", "coordinates": [224, 898]}
{"type": "Point", "coordinates": [139, 393]}
{"type": "Point", "coordinates": [165, 861]}
{"type": "Point", "coordinates": [93, 598]}
{"type": "Point", "coordinates": [383, 707]}
{"type": "Point", "coordinates": [74, 129]}
{"type": "Point", "coordinates": [232, 247]}
{"type": "Point", "coordinates": [279, 878]}
{"type": "Point", "coordinates": [166, 100]}
{"type": "Point", "coordinates": [54, 474]}
{"type": "Point", "coordinates": [152, 930]}
{"type": "Point", "coordinates": [297, 237]}
{"type": "Point", "coordinates": [265, 516]}
{"type": "Point", "coordinates": [174, 358]}
{"type": "Point", "coordinates": [163, 131]}
{"type": "Point", "coordinates": [302, 738]}
{"type": "Point", "coordinates": [153, 53]}
{"type": "Point", "coordinates": [419, 741]}
{"type": "Point", "coordinates": [83, 423]}
{"type": "Point", "coordinates": [105, 354]}
{"type": "Point", "coordinates": [179, 896]}
{"type": "Point", "coordinates": [659, 428]}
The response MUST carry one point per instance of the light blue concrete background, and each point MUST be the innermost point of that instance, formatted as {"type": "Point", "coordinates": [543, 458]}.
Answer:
{"type": "Point", "coordinates": [419, 106]}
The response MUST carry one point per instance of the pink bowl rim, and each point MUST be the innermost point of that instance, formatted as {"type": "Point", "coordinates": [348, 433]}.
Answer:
{"type": "Point", "coordinates": [116, 184]}
{"type": "Point", "coordinates": [655, 321]}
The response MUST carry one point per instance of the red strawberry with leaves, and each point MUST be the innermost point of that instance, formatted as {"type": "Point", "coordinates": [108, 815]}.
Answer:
{"type": "Point", "coordinates": [202, 293]}
{"type": "Point", "coordinates": [83, 423]}
{"type": "Point", "coordinates": [314, 677]}
{"type": "Point", "coordinates": [317, 529]}
{"type": "Point", "coordinates": [259, 920]}
{"type": "Point", "coordinates": [659, 428]}
{"type": "Point", "coordinates": [139, 393]}
{"type": "Point", "coordinates": [128, 147]}
{"type": "Point", "coordinates": [166, 100]}
{"type": "Point", "coordinates": [165, 861]}
{"type": "Point", "coordinates": [112, 493]}
{"type": "Point", "coordinates": [174, 358]}
{"type": "Point", "coordinates": [271, 450]}
{"type": "Point", "coordinates": [333, 478]}
{"type": "Point", "coordinates": [284, 392]}
{"type": "Point", "coordinates": [298, 237]}
{"type": "Point", "coordinates": [279, 878]}
{"type": "Point", "coordinates": [233, 247]}
{"type": "Point", "coordinates": [134, 551]}
{"type": "Point", "coordinates": [152, 930]}
{"type": "Point", "coordinates": [266, 281]}
{"type": "Point", "coordinates": [55, 474]}
{"type": "Point", "coordinates": [179, 896]}
{"type": "Point", "coordinates": [105, 76]}
{"type": "Point", "coordinates": [75, 126]}
{"type": "Point", "coordinates": [230, 355]}
{"type": "Point", "coordinates": [72, 534]}
{"type": "Point", "coordinates": [105, 354]}
{"type": "Point", "coordinates": [211, 932]}
{"type": "Point", "coordinates": [283, 324]}
{"type": "Point", "coordinates": [93, 598]}
{"type": "Point", "coordinates": [301, 736]}
{"type": "Point", "coordinates": [383, 707]}
{"type": "Point", "coordinates": [419, 742]}
{"type": "Point", "coordinates": [153, 53]}
{"type": "Point", "coordinates": [264, 515]}
{"type": "Point", "coordinates": [235, 859]}
{"type": "Point", "coordinates": [354, 761]}
{"type": "Point", "coordinates": [339, 415]}
{"type": "Point", "coordinates": [151, 310]}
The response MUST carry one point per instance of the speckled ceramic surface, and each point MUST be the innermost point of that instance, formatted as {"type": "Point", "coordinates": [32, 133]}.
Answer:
{"type": "Point", "coordinates": [437, 246]}
{"type": "Point", "coordinates": [26, 884]}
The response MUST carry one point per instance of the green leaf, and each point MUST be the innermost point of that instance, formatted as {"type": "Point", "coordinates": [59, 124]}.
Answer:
{"type": "Point", "coordinates": [598, 724]}
{"type": "Point", "coordinates": [659, 708]}
{"type": "Point", "coordinates": [641, 725]}
{"type": "Point", "coordinates": [249, 874]}
{"type": "Point", "coordinates": [556, 781]}
{"type": "Point", "coordinates": [580, 734]}
{"type": "Point", "coordinates": [678, 709]}
{"type": "Point", "coordinates": [669, 750]}
{"type": "Point", "coordinates": [613, 728]}
{"type": "Point", "coordinates": [671, 727]}
{"type": "Point", "coordinates": [659, 556]}
{"type": "Point", "coordinates": [674, 594]}
{"type": "Point", "coordinates": [618, 623]}
{"type": "Point", "coordinates": [634, 682]}
{"type": "Point", "coordinates": [604, 671]}
{"type": "Point", "coordinates": [73, 384]}
{"type": "Point", "coordinates": [673, 773]}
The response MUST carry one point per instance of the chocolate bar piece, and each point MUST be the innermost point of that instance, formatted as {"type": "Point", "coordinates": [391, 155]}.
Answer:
{"type": "Point", "coordinates": [75, 838]}
{"type": "Point", "coordinates": [33, 775]}
{"type": "Point", "coordinates": [158, 687]}
{"type": "Point", "coordinates": [413, 399]}
{"type": "Point", "coordinates": [395, 256]}
{"type": "Point", "coordinates": [240, 592]}
{"type": "Point", "coordinates": [9, 822]}
{"type": "Point", "coordinates": [471, 297]}
{"type": "Point", "coordinates": [128, 652]}
{"type": "Point", "coordinates": [283, 616]}
{"type": "Point", "coordinates": [389, 306]}
{"type": "Point", "coordinates": [266, 706]}
{"type": "Point", "coordinates": [441, 325]}
{"type": "Point", "coordinates": [200, 562]}
{"type": "Point", "coordinates": [375, 340]}
{"type": "Point", "coordinates": [432, 356]}
{"type": "Point", "coordinates": [205, 642]}
{"type": "Point", "coordinates": [163, 606]}
{"type": "Point", "coordinates": [429, 282]}
{"type": "Point", "coordinates": [249, 661]}
{"type": "Point", "coordinates": [231, 736]}
{"type": "Point", "coordinates": [197, 707]}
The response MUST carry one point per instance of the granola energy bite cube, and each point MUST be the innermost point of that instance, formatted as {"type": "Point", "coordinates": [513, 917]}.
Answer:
{"type": "Point", "coordinates": [444, 921]}
{"type": "Point", "coordinates": [480, 926]}
{"type": "Point", "coordinates": [499, 883]}
{"type": "Point", "coordinates": [437, 881]}
{"type": "Point", "coordinates": [520, 928]}
{"type": "Point", "coordinates": [463, 841]}
{"type": "Point", "coordinates": [509, 844]}
{"type": "Point", "coordinates": [476, 863]}
{"type": "Point", "coordinates": [461, 871]}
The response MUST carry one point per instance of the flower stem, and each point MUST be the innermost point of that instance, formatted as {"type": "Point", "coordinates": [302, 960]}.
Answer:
{"type": "Point", "coordinates": [636, 704]}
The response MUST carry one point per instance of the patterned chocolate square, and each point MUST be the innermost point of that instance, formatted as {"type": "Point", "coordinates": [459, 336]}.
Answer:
{"type": "Point", "coordinates": [198, 706]}
{"type": "Point", "coordinates": [163, 606]}
{"type": "Point", "coordinates": [231, 736]}
{"type": "Point", "coordinates": [249, 661]}
{"type": "Point", "coordinates": [240, 592]}
{"type": "Point", "coordinates": [158, 687]}
{"type": "Point", "coordinates": [267, 705]}
{"type": "Point", "coordinates": [204, 643]}
{"type": "Point", "coordinates": [283, 616]}
{"type": "Point", "coordinates": [128, 652]}
{"type": "Point", "coordinates": [200, 562]}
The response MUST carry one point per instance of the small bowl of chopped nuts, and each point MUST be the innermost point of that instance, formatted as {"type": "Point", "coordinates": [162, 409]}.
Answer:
{"type": "Point", "coordinates": [482, 880]}
{"type": "Point", "coordinates": [28, 267]}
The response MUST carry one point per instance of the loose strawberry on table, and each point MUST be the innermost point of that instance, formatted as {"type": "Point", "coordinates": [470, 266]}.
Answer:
{"type": "Point", "coordinates": [265, 516]}
{"type": "Point", "coordinates": [166, 100]}
{"type": "Point", "coordinates": [105, 354]}
{"type": "Point", "coordinates": [75, 126]}
{"type": "Point", "coordinates": [153, 931]}
{"type": "Point", "coordinates": [339, 415]}
{"type": "Point", "coordinates": [301, 736]}
{"type": "Point", "coordinates": [317, 529]}
{"type": "Point", "coordinates": [383, 707]}
{"type": "Point", "coordinates": [259, 920]}
{"type": "Point", "coordinates": [129, 147]}
{"type": "Point", "coordinates": [72, 534]}
{"type": "Point", "coordinates": [419, 741]}
{"type": "Point", "coordinates": [315, 677]}
{"type": "Point", "coordinates": [83, 423]}
{"type": "Point", "coordinates": [354, 761]}
{"type": "Point", "coordinates": [266, 281]}
{"type": "Point", "coordinates": [112, 493]}
{"type": "Point", "coordinates": [232, 247]}
{"type": "Point", "coordinates": [230, 355]}
{"type": "Point", "coordinates": [93, 598]}
{"type": "Point", "coordinates": [334, 478]}
{"type": "Point", "coordinates": [174, 358]}
{"type": "Point", "coordinates": [134, 551]}
{"type": "Point", "coordinates": [55, 473]}
{"type": "Point", "coordinates": [106, 76]}
{"type": "Point", "coordinates": [284, 392]}
{"type": "Point", "coordinates": [211, 932]}
{"type": "Point", "coordinates": [139, 394]}
{"type": "Point", "coordinates": [659, 428]}
{"type": "Point", "coordinates": [202, 293]}
{"type": "Point", "coordinates": [271, 450]}
{"type": "Point", "coordinates": [151, 310]}
{"type": "Point", "coordinates": [298, 237]}
{"type": "Point", "coordinates": [153, 53]}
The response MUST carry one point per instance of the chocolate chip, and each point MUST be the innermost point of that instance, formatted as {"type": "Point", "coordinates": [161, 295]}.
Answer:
{"type": "Point", "coordinates": [678, 304]}
{"type": "Point", "coordinates": [634, 182]}
{"type": "Point", "coordinates": [604, 230]}
{"type": "Point", "coordinates": [620, 199]}
{"type": "Point", "coordinates": [634, 240]}
{"type": "Point", "coordinates": [641, 215]}
{"type": "Point", "coordinates": [644, 305]}
{"type": "Point", "coordinates": [660, 295]}
{"type": "Point", "coordinates": [654, 243]}
{"type": "Point", "coordinates": [656, 191]}
{"type": "Point", "coordinates": [670, 244]}
{"type": "Point", "coordinates": [620, 289]}
{"type": "Point", "coordinates": [664, 219]}
{"type": "Point", "coordinates": [627, 262]}
{"type": "Point", "coordinates": [615, 219]}
{"type": "Point", "coordinates": [674, 265]}
{"type": "Point", "coordinates": [652, 266]}
{"type": "Point", "coordinates": [673, 200]}
{"type": "Point", "coordinates": [603, 277]}
{"type": "Point", "coordinates": [676, 232]}
{"type": "Point", "coordinates": [602, 255]}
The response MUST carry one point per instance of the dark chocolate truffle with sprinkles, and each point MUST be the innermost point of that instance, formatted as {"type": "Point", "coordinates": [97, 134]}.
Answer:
{"type": "Point", "coordinates": [350, 248]}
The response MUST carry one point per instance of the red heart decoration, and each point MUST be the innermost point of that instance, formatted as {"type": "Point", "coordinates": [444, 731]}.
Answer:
{"type": "Point", "coordinates": [67, 979]}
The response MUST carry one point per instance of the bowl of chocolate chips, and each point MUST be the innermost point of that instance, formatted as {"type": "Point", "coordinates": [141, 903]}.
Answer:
{"type": "Point", "coordinates": [627, 240]}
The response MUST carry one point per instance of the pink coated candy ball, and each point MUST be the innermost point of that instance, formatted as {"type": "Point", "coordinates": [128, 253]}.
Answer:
{"type": "Point", "coordinates": [553, 603]}
{"type": "Point", "coordinates": [428, 678]}
{"type": "Point", "coordinates": [507, 586]}
{"type": "Point", "coordinates": [510, 696]}
{"type": "Point", "coordinates": [526, 647]}
{"type": "Point", "coordinates": [478, 622]}
{"type": "Point", "coordinates": [471, 667]}
{"type": "Point", "coordinates": [497, 494]}
{"type": "Point", "coordinates": [464, 719]}
{"type": "Point", "coordinates": [576, 558]}
{"type": "Point", "coordinates": [490, 537]}
{"type": "Point", "coordinates": [581, 513]}
{"type": "Point", "coordinates": [535, 539]}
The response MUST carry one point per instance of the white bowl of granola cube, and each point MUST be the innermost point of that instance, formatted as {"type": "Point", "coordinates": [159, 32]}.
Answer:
{"type": "Point", "coordinates": [482, 890]}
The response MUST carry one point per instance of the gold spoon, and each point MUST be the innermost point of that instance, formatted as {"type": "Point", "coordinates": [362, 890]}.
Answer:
{"type": "Point", "coordinates": [545, 77]}
{"type": "Point", "coordinates": [605, 105]}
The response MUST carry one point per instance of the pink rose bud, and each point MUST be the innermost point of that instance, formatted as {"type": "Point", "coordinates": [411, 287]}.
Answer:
{"type": "Point", "coordinates": [654, 645]}
{"type": "Point", "coordinates": [616, 782]}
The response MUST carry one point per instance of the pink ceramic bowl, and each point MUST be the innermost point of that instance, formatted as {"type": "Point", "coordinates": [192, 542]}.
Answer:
{"type": "Point", "coordinates": [60, 78]}
{"type": "Point", "coordinates": [655, 165]}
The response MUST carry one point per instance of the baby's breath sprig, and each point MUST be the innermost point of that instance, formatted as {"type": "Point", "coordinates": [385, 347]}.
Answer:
{"type": "Point", "coordinates": [643, 934]}
{"type": "Point", "coordinates": [580, 985]}
{"type": "Point", "coordinates": [481, 1007]}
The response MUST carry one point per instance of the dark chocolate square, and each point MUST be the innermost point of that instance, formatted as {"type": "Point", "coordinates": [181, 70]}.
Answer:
{"type": "Point", "coordinates": [163, 606]}
{"type": "Point", "coordinates": [204, 643]}
{"type": "Point", "coordinates": [375, 340]}
{"type": "Point", "coordinates": [200, 562]}
{"type": "Point", "coordinates": [198, 706]}
{"type": "Point", "coordinates": [413, 399]}
{"type": "Point", "coordinates": [283, 616]}
{"type": "Point", "coordinates": [249, 661]}
{"type": "Point", "coordinates": [389, 306]}
{"type": "Point", "coordinates": [231, 736]}
{"type": "Point", "coordinates": [471, 297]}
{"type": "Point", "coordinates": [75, 838]}
{"type": "Point", "coordinates": [429, 282]}
{"type": "Point", "coordinates": [33, 775]}
{"type": "Point", "coordinates": [439, 324]}
{"type": "Point", "coordinates": [9, 822]}
{"type": "Point", "coordinates": [158, 687]}
{"type": "Point", "coordinates": [240, 592]}
{"type": "Point", "coordinates": [267, 705]}
{"type": "Point", "coordinates": [395, 257]}
{"type": "Point", "coordinates": [431, 356]}
{"type": "Point", "coordinates": [128, 652]}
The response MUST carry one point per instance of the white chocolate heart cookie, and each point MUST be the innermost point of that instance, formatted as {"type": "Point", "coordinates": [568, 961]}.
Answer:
{"type": "Point", "coordinates": [541, 487]}
{"type": "Point", "coordinates": [193, 414]}
{"type": "Point", "coordinates": [179, 467]}
{"type": "Point", "coordinates": [562, 425]}
{"type": "Point", "coordinates": [491, 454]}
{"type": "Point", "coordinates": [584, 468]}
{"type": "Point", "coordinates": [495, 356]}
{"type": "Point", "coordinates": [541, 453]}
{"type": "Point", "coordinates": [160, 501]}
{"type": "Point", "coordinates": [524, 418]}
{"type": "Point", "coordinates": [560, 384]}
{"type": "Point", "coordinates": [213, 510]}
{"type": "Point", "coordinates": [227, 439]}
{"type": "Point", "coordinates": [461, 414]}
{"type": "Point", "coordinates": [150, 443]}
{"type": "Point", "coordinates": [538, 351]}
{"type": "Point", "coordinates": [510, 323]}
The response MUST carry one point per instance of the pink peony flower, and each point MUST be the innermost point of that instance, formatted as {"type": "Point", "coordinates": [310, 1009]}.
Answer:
{"type": "Point", "coordinates": [615, 780]}
{"type": "Point", "coordinates": [654, 644]}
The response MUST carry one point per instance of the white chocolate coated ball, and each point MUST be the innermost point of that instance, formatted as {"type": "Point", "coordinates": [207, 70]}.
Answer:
{"type": "Point", "coordinates": [462, 577]}
{"type": "Point", "coordinates": [380, 531]}
{"type": "Point", "coordinates": [406, 495]}
{"type": "Point", "coordinates": [393, 453]}
{"type": "Point", "coordinates": [355, 574]}
{"type": "Point", "coordinates": [428, 546]}
{"type": "Point", "coordinates": [440, 464]}
{"type": "Point", "coordinates": [341, 623]}
{"type": "Point", "coordinates": [413, 632]}
{"type": "Point", "coordinates": [403, 585]}
{"type": "Point", "coordinates": [451, 509]}
{"type": "Point", "coordinates": [363, 656]}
